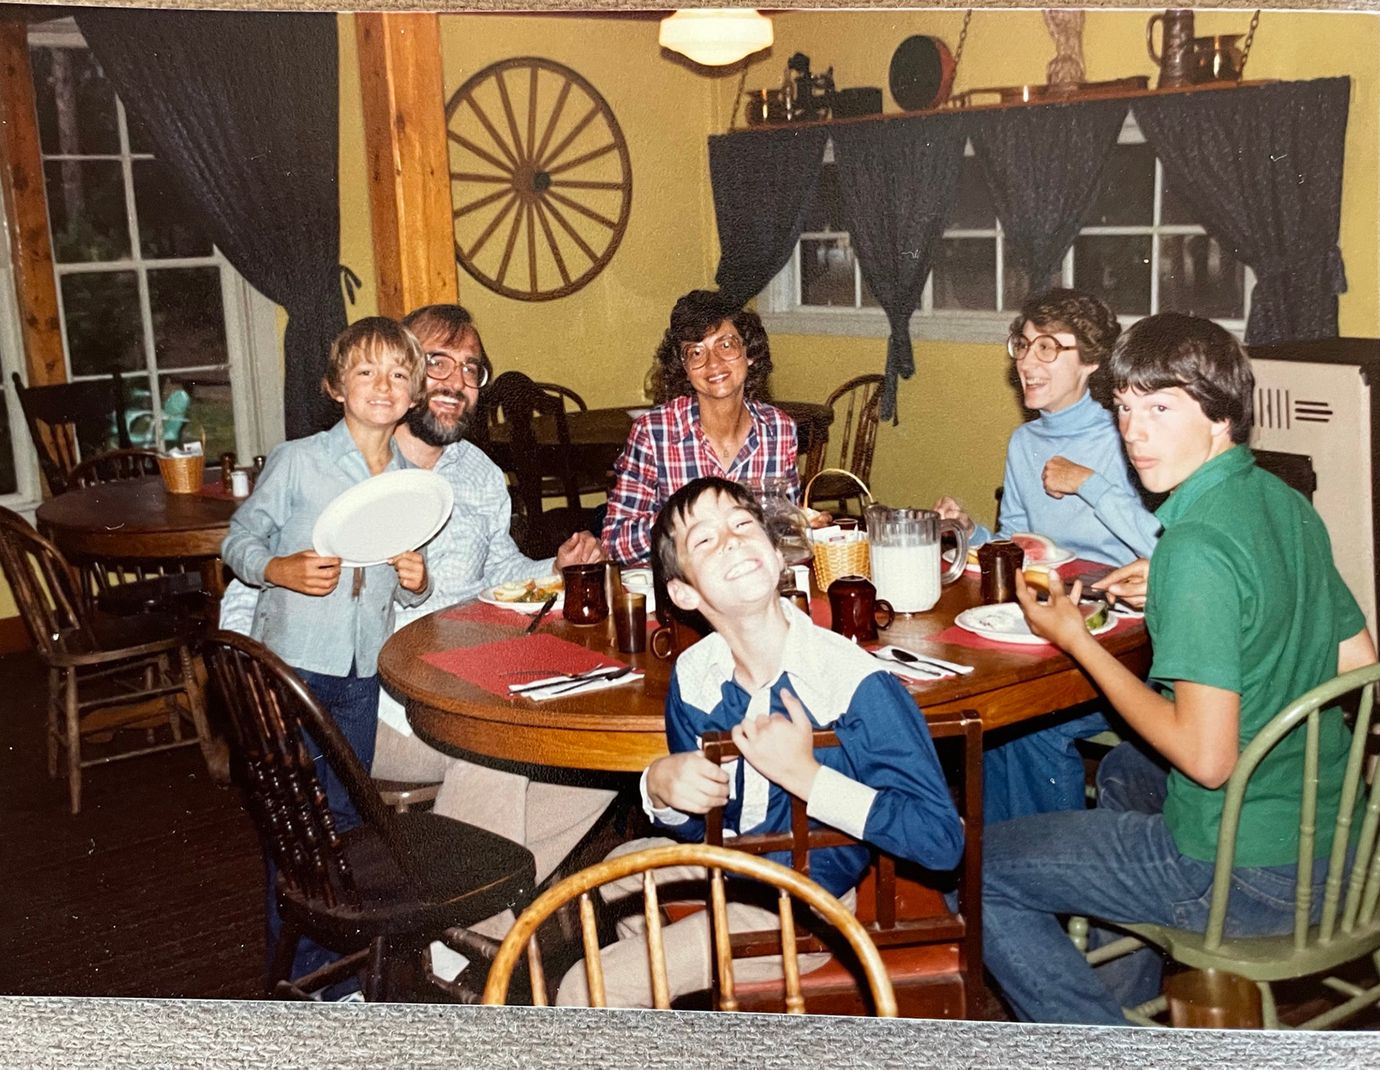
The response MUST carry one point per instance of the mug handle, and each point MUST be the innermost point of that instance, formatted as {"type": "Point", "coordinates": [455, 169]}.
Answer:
{"type": "Point", "coordinates": [960, 561]}
{"type": "Point", "coordinates": [880, 604]}
{"type": "Point", "coordinates": [666, 632]}
{"type": "Point", "coordinates": [1150, 36]}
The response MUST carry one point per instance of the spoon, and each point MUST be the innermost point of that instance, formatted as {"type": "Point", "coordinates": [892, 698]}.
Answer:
{"type": "Point", "coordinates": [907, 658]}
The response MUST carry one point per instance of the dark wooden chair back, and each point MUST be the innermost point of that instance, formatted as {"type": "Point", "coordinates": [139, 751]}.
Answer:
{"type": "Point", "coordinates": [537, 468]}
{"type": "Point", "coordinates": [267, 709]}
{"type": "Point", "coordinates": [565, 394]}
{"type": "Point", "coordinates": [67, 420]}
{"type": "Point", "coordinates": [46, 588]}
{"type": "Point", "coordinates": [114, 466]}
{"type": "Point", "coordinates": [851, 442]}
{"type": "Point", "coordinates": [933, 955]}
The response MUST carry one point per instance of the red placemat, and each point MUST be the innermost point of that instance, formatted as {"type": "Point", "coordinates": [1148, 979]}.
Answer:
{"type": "Point", "coordinates": [493, 666]}
{"type": "Point", "coordinates": [962, 637]}
{"type": "Point", "coordinates": [493, 616]}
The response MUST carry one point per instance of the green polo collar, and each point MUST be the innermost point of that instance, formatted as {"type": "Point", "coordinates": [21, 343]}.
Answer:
{"type": "Point", "coordinates": [1208, 475]}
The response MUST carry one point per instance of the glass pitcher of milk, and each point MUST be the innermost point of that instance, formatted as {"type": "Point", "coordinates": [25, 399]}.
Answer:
{"type": "Point", "coordinates": [906, 569]}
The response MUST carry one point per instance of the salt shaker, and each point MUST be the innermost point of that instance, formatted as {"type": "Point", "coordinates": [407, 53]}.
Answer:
{"type": "Point", "coordinates": [239, 483]}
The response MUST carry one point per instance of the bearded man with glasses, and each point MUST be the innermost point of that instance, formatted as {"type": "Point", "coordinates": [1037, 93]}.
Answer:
{"type": "Point", "coordinates": [1067, 479]}
{"type": "Point", "coordinates": [712, 364]}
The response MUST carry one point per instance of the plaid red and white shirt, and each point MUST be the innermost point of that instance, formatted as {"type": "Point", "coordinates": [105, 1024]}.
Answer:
{"type": "Point", "coordinates": [667, 448]}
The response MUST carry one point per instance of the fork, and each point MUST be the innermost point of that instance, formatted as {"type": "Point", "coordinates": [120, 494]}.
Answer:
{"type": "Point", "coordinates": [599, 675]}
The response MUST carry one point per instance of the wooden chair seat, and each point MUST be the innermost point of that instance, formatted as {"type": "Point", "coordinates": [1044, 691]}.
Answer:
{"type": "Point", "coordinates": [69, 420]}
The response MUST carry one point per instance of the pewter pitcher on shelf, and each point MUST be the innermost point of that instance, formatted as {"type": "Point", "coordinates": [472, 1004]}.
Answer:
{"type": "Point", "coordinates": [906, 567]}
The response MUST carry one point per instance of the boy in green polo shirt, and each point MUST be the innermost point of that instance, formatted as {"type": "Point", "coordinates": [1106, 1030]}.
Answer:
{"type": "Point", "coordinates": [1246, 612]}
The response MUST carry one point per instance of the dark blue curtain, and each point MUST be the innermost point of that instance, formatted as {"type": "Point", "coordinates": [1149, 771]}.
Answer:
{"type": "Point", "coordinates": [898, 181]}
{"type": "Point", "coordinates": [1261, 169]}
{"type": "Point", "coordinates": [242, 109]}
{"type": "Point", "coordinates": [1045, 165]}
{"type": "Point", "coordinates": [763, 181]}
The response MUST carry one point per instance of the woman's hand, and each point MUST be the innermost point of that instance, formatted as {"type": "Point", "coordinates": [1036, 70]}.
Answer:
{"type": "Point", "coordinates": [582, 548]}
{"type": "Point", "coordinates": [950, 509]}
{"type": "Point", "coordinates": [1062, 476]}
{"type": "Point", "coordinates": [305, 572]}
{"type": "Point", "coordinates": [1127, 584]}
{"type": "Point", "coordinates": [411, 569]}
{"type": "Point", "coordinates": [1059, 620]}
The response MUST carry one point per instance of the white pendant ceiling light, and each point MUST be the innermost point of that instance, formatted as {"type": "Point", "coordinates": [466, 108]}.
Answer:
{"type": "Point", "coordinates": [716, 36]}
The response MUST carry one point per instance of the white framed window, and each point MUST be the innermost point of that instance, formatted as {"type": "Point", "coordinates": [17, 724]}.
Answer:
{"type": "Point", "coordinates": [141, 290]}
{"type": "Point", "coordinates": [1141, 252]}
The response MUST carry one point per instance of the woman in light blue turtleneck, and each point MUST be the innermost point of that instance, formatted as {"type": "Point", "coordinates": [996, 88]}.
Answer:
{"type": "Point", "coordinates": [1067, 479]}
{"type": "Point", "coordinates": [1066, 474]}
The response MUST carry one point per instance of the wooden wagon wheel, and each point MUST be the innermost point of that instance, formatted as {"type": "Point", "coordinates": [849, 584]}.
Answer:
{"type": "Point", "coordinates": [540, 178]}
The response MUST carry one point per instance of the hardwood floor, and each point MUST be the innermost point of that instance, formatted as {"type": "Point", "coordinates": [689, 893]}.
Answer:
{"type": "Point", "coordinates": [154, 889]}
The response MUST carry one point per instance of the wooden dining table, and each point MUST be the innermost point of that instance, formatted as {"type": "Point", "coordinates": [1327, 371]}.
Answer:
{"type": "Point", "coordinates": [597, 436]}
{"type": "Point", "coordinates": [622, 729]}
{"type": "Point", "coordinates": [137, 519]}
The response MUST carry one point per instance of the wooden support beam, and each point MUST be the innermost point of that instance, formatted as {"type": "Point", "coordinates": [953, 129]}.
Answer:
{"type": "Point", "coordinates": [21, 177]}
{"type": "Point", "coordinates": [403, 101]}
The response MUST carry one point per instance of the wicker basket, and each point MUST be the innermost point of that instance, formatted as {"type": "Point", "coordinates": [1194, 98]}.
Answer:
{"type": "Point", "coordinates": [182, 475]}
{"type": "Point", "coordinates": [836, 559]}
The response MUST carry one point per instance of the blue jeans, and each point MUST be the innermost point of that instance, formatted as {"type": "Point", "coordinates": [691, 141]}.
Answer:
{"type": "Point", "coordinates": [1118, 863]}
{"type": "Point", "coordinates": [1037, 772]}
{"type": "Point", "coordinates": [353, 703]}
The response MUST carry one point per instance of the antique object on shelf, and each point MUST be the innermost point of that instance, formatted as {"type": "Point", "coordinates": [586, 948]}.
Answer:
{"type": "Point", "coordinates": [1176, 55]}
{"type": "Point", "coordinates": [921, 73]}
{"type": "Point", "coordinates": [859, 100]}
{"type": "Point", "coordinates": [540, 177]}
{"type": "Point", "coordinates": [1065, 70]}
{"type": "Point", "coordinates": [1218, 58]}
{"type": "Point", "coordinates": [803, 97]}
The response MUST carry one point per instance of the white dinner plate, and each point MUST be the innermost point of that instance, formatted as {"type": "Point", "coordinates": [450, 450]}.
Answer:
{"type": "Point", "coordinates": [526, 607]}
{"type": "Point", "coordinates": [382, 517]}
{"type": "Point", "coordinates": [1005, 623]}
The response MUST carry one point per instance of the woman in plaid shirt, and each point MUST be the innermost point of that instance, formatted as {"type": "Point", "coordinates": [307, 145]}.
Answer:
{"type": "Point", "coordinates": [713, 361]}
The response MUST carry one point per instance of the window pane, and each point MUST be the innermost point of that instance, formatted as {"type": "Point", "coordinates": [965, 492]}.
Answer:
{"type": "Point", "coordinates": [1199, 277]}
{"type": "Point", "coordinates": [1127, 197]}
{"type": "Point", "coordinates": [188, 317]}
{"type": "Point", "coordinates": [139, 139]}
{"type": "Point", "coordinates": [197, 402]}
{"type": "Point", "coordinates": [1116, 269]}
{"type": "Point", "coordinates": [826, 272]}
{"type": "Point", "coordinates": [166, 229]}
{"type": "Point", "coordinates": [973, 210]}
{"type": "Point", "coordinates": [1172, 208]}
{"type": "Point", "coordinates": [75, 104]}
{"type": "Point", "coordinates": [86, 210]}
{"type": "Point", "coordinates": [965, 273]}
{"type": "Point", "coordinates": [9, 482]}
{"type": "Point", "coordinates": [100, 311]}
{"type": "Point", "coordinates": [869, 299]}
{"type": "Point", "coordinates": [825, 209]}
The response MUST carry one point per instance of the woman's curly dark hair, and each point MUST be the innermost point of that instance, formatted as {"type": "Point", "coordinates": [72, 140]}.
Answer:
{"type": "Point", "coordinates": [694, 316]}
{"type": "Point", "coordinates": [1082, 315]}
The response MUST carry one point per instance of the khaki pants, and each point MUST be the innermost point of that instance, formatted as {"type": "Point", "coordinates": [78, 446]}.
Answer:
{"type": "Point", "coordinates": [548, 819]}
{"type": "Point", "coordinates": [688, 942]}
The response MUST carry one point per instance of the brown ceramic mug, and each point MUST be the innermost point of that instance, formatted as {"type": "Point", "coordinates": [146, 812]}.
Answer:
{"type": "Point", "coordinates": [853, 607]}
{"type": "Point", "coordinates": [585, 598]}
{"type": "Point", "coordinates": [674, 637]}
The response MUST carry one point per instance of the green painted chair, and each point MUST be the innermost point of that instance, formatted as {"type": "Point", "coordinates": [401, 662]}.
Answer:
{"type": "Point", "coordinates": [1348, 930]}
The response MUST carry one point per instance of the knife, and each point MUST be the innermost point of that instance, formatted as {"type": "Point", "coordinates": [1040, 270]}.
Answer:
{"type": "Point", "coordinates": [545, 609]}
{"type": "Point", "coordinates": [570, 679]}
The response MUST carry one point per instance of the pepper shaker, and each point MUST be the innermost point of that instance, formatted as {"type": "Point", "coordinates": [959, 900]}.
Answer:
{"type": "Point", "coordinates": [227, 470]}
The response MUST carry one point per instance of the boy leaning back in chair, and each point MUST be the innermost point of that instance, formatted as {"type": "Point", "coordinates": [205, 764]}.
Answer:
{"type": "Point", "coordinates": [772, 677]}
{"type": "Point", "coordinates": [1246, 612]}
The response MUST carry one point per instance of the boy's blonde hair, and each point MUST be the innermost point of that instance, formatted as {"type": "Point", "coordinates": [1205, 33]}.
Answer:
{"type": "Point", "coordinates": [374, 339]}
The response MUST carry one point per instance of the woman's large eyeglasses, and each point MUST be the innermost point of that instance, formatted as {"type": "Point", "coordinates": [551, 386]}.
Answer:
{"type": "Point", "coordinates": [441, 366]}
{"type": "Point", "coordinates": [695, 355]}
{"type": "Point", "coordinates": [1045, 347]}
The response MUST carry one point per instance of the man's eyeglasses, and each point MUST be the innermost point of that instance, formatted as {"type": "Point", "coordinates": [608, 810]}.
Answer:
{"type": "Point", "coordinates": [1045, 347]}
{"type": "Point", "coordinates": [695, 355]}
{"type": "Point", "coordinates": [441, 366]}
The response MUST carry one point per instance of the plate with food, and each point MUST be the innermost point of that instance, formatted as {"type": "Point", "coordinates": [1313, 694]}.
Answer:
{"type": "Point", "coordinates": [1005, 622]}
{"type": "Point", "coordinates": [1040, 552]}
{"type": "Point", "coordinates": [526, 596]}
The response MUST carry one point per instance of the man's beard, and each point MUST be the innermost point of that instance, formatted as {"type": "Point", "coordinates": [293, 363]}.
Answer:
{"type": "Point", "coordinates": [424, 425]}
